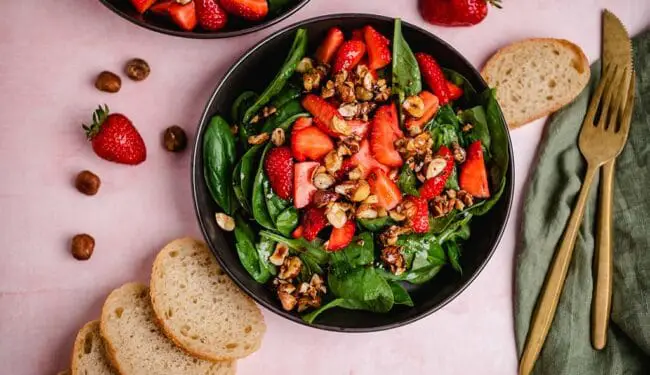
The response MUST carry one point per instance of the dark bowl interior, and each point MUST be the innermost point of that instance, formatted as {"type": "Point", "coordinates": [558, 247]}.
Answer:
{"type": "Point", "coordinates": [252, 72]}
{"type": "Point", "coordinates": [235, 26]}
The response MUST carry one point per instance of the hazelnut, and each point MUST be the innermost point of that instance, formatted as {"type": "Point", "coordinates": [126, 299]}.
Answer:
{"type": "Point", "coordinates": [290, 268]}
{"type": "Point", "coordinates": [356, 173]}
{"type": "Point", "coordinates": [459, 153]}
{"type": "Point", "coordinates": [82, 246]}
{"type": "Point", "coordinates": [175, 139]}
{"type": "Point", "coordinates": [225, 222]}
{"type": "Point", "coordinates": [137, 69]}
{"type": "Point", "coordinates": [361, 192]}
{"type": "Point", "coordinates": [435, 167]}
{"type": "Point", "coordinates": [333, 161]}
{"type": "Point", "coordinates": [366, 211]}
{"type": "Point", "coordinates": [397, 216]}
{"type": "Point", "coordinates": [349, 110]}
{"type": "Point", "coordinates": [414, 106]}
{"type": "Point", "coordinates": [278, 137]}
{"type": "Point", "coordinates": [305, 65]}
{"type": "Point", "coordinates": [87, 183]}
{"type": "Point", "coordinates": [322, 198]}
{"type": "Point", "coordinates": [323, 181]}
{"type": "Point", "coordinates": [280, 253]}
{"type": "Point", "coordinates": [108, 82]}
{"type": "Point", "coordinates": [363, 94]}
{"type": "Point", "coordinates": [341, 126]}
{"type": "Point", "coordinates": [372, 199]}
{"type": "Point", "coordinates": [336, 215]}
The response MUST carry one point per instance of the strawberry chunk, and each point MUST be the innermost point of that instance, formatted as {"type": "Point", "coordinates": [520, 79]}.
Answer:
{"type": "Point", "coordinates": [341, 237]}
{"type": "Point", "coordinates": [310, 143]}
{"type": "Point", "coordinates": [326, 51]}
{"type": "Point", "coordinates": [349, 55]}
{"type": "Point", "coordinates": [142, 5]}
{"type": "Point", "coordinates": [387, 192]}
{"type": "Point", "coordinates": [297, 233]}
{"type": "Point", "coordinates": [211, 16]}
{"type": "Point", "coordinates": [419, 220]}
{"type": "Point", "coordinates": [326, 115]}
{"type": "Point", "coordinates": [365, 160]}
{"type": "Point", "coordinates": [251, 10]}
{"type": "Point", "coordinates": [455, 92]}
{"type": "Point", "coordinates": [302, 122]}
{"type": "Point", "coordinates": [313, 220]}
{"type": "Point", "coordinates": [278, 166]}
{"type": "Point", "coordinates": [473, 174]}
{"type": "Point", "coordinates": [433, 76]}
{"type": "Point", "coordinates": [359, 128]}
{"type": "Point", "coordinates": [431, 106]}
{"type": "Point", "coordinates": [357, 34]}
{"type": "Point", "coordinates": [385, 131]}
{"type": "Point", "coordinates": [184, 16]}
{"type": "Point", "coordinates": [379, 54]}
{"type": "Point", "coordinates": [303, 184]}
{"type": "Point", "coordinates": [434, 186]}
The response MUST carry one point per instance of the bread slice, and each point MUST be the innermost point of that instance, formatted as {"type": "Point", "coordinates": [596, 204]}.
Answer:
{"type": "Point", "coordinates": [536, 77]}
{"type": "Point", "coordinates": [199, 307]}
{"type": "Point", "coordinates": [135, 344]}
{"type": "Point", "coordinates": [89, 353]}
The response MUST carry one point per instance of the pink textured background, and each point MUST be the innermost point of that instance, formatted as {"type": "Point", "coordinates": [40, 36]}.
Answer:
{"type": "Point", "coordinates": [50, 52]}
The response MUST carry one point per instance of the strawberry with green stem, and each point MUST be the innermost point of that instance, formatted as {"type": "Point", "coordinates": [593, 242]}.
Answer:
{"type": "Point", "coordinates": [114, 138]}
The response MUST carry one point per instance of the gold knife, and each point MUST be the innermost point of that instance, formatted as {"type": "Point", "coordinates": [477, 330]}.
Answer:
{"type": "Point", "coordinates": [616, 49]}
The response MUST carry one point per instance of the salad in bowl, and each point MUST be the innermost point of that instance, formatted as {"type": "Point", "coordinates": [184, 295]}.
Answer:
{"type": "Point", "coordinates": [356, 173]}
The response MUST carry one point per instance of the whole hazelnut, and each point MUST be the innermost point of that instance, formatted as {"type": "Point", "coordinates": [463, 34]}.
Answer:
{"type": "Point", "coordinates": [82, 246]}
{"type": "Point", "coordinates": [137, 69]}
{"type": "Point", "coordinates": [108, 82]}
{"type": "Point", "coordinates": [87, 183]}
{"type": "Point", "coordinates": [175, 139]}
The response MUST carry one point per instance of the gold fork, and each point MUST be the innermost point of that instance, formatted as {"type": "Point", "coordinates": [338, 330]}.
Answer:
{"type": "Point", "coordinates": [601, 140]}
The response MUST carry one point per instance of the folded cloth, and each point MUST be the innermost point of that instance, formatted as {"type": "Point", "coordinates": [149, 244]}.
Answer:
{"type": "Point", "coordinates": [551, 195]}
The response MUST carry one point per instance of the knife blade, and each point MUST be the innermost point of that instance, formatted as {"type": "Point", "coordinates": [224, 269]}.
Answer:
{"type": "Point", "coordinates": [616, 49]}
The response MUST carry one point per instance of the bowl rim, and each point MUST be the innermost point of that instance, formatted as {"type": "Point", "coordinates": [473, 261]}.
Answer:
{"type": "Point", "coordinates": [276, 307]}
{"type": "Point", "coordinates": [210, 35]}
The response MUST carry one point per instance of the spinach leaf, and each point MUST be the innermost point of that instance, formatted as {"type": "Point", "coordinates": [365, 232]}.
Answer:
{"type": "Point", "coordinates": [297, 52]}
{"type": "Point", "coordinates": [424, 257]}
{"type": "Point", "coordinates": [258, 205]}
{"type": "Point", "coordinates": [237, 189]}
{"type": "Point", "coordinates": [439, 224]}
{"type": "Point", "coordinates": [289, 93]}
{"type": "Point", "coordinates": [300, 245]}
{"type": "Point", "coordinates": [310, 267]}
{"type": "Point", "coordinates": [218, 159]}
{"type": "Point", "coordinates": [407, 80]}
{"type": "Point", "coordinates": [458, 229]}
{"type": "Point", "coordinates": [274, 204]}
{"type": "Point", "coordinates": [365, 286]}
{"type": "Point", "coordinates": [239, 106]}
{"type": "Point", "coordinates": [480, 131]}
{"type": "Point", "coordinates": [265, 248]}
{"type": "Point", "coordinates": [248, 254]}
{"type": "Point", "coordinates": [444, 128]}
{"type": "Point", "coordinates": [453, 253]}
{"type": "Point", "coordinates": [407, 181]}
{"type": "Point", "coordinates": [287, 221]}
{"type": "Point", "coordinates": [248, 171]}
{"type": "Point", "coordinates": [338, 302]}
{"type": "Point", "coordinates": [278, 6]}
{"type": "Point", "coordinates": [499, 152]}
{"type": "Point", "coordinates": [377, 224]}
{"type": "Point", "coordinates": [285, 116]}
{"type": "Point", "coordinates": [400, 295]}
{"type": "Point", "coordinates": [360, 252]}
{"type": "Point", "coordinates": [452, 180]}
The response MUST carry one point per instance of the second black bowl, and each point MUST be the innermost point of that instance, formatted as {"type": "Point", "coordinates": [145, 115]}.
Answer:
{"type": "Point", "coordinates": [252, 72]}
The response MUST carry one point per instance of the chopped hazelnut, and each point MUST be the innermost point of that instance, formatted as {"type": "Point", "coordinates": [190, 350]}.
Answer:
{"type": "Point", "coordinates": [258, 139]}
{"type": "Point", "coordinates": [414, 106]}
{"type": "Point", "coordinates": [333, 161]}
{"type": "Point", "coordinates": [290, 268]}
{"type": "Point", "coordinates": [361, 191]}
{"type": "Point", "coordinates": [393, 258]}
{"type": "Point", "coordinates": [336, 215]}
{"type": "Point", "coordinates": [322, 198]}
{"type": "Point", "coordinates": [323, 181]}
{"type": "Point", "coordinates": [435, 167]}
{"type": "Point", "coordinates": [280, 253]}
{"type": "Point", "coordinates": [366, 211]}
{"type": "Point", "coordinates": [278, 137]}
{"type": "Point", "coordinates": [225, 222]}
{"type": "Point", "coordinates": [305, 65]}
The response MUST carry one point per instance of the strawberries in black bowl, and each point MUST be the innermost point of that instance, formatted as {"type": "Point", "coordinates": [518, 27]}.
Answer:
{"type": "Point", "coordinates": [367, 168]}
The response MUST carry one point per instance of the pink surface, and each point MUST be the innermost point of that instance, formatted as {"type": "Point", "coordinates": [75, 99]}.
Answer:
{"type": "Point", "coordinates": [50, 52]}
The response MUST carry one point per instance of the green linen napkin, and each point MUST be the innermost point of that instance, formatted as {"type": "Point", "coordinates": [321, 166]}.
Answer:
{"type": "Point", "coordinates": [552, 191]}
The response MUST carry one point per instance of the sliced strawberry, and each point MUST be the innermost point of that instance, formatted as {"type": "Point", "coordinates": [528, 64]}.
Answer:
{"type": "Point", "coordinates": [324, 112]}
{"type": "Point", "coordinates": [349, 55]}
{"type": "Point", "coordinates": [431, 106]}
{"type": "Point", "coordinates": [313, 220]}
{"type": "Point", "coordinates": [434, 186]}
{"type": "Point", "coordinates": [326, 129]}
{"type": "Point", "coordinates": [473, 174]}
{"type": "Point", "coordinates": [211, 16]}
{"type": "Point", "coordinates": [162, 7]}
{"type": "Point", "coordinates": [385, 189]}
{"type": "Point", "coordinates": [383, 136]}
{"type": "Point", "coordinates": [359, 128]}
{"type": "Point", "coordinates": [419, 220]}
{"type": "Point", "coordinates": [365, 160]}
{"type": "Point", "coordinates": [251, 10]}
{"type": "Point", "coordinates": [297, 233]}
{"type": "Point", "coordinates": [302, 122]}
{"type": "Point", "coordinates": [455, 92]}
{"type": "Point", "coordinates": [142, 5]}
{"type": "Point", "coordinates": [379, 54]}
{"type": "Point", "coordinates": [357, 34]}
{"type": "Point", "coordinates": [433, 76]}
{"type": "Point", "coordinates": [327, 50]}
{"type": "Point", "coordinates": [310, 143]}
{"type": "Point", "coordinates": [184, 16]}
{"type": "Point", "coordinates": [303, 184]}
{"type": "Point", "coordinates": [278, 166]}
{"type": "Point", "coordinates": [341, 237]}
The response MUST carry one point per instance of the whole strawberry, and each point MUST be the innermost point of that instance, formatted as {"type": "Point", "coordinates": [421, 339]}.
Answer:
{"type": "Point", "coordinates": [210, 15]}
{"type": "Point", "coordinates": [278, 166]}
{"type": "Point", "coordinates": [114, 138]}
{"type": "Point", "coordinates": [456, 12]}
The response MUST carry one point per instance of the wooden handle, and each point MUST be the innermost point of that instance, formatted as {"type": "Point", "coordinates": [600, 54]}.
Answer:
{"type": "Point", "coordinates": [602, 302]}
{"type": "Point", "coordinates": [550, 296]}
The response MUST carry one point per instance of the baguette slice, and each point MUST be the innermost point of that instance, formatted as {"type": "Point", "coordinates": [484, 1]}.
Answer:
{"type": "Point", "coordinates": [89, 353]}
{"type": "Point", "coordinates": [536, 77]}
{"type": "Point", "coordinates": [199, 307]}
{"type": "Point", "coordinates": [135, 344]}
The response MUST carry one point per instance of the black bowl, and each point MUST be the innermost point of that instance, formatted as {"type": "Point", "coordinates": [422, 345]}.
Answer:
{"type": "Point", "coordinates": [235, 27]}
{"type": "Point", "coordinates": [252, 72]}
